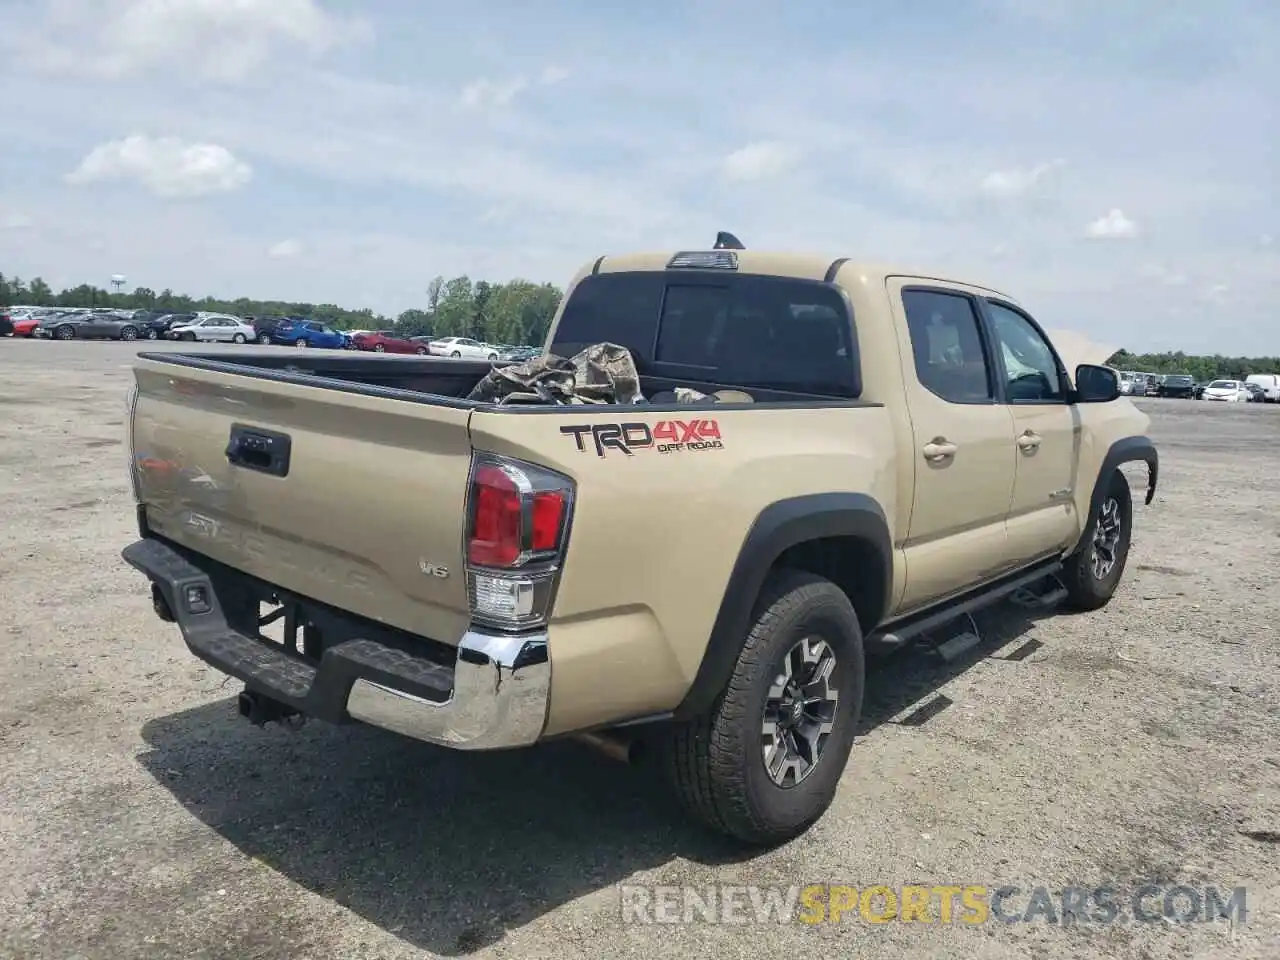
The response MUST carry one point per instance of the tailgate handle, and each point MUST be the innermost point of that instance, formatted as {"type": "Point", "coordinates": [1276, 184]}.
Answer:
{"type": "Point", "coordinates": [263, 450]}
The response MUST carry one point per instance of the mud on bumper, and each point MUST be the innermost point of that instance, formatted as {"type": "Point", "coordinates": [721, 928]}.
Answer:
{"type": "Point", "coordinates": [493, 693]}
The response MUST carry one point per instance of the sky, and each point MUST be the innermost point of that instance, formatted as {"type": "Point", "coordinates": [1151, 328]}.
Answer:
{"type": "Point", "coordinates": [1112, 165]}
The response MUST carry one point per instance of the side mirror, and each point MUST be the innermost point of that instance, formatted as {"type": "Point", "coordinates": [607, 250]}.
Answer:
{"type": "Point", "coordinates": [1096, 384]}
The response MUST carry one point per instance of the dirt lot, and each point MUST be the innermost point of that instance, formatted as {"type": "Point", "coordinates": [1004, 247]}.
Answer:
{"type": "Point", "coordinates": [140, 817]}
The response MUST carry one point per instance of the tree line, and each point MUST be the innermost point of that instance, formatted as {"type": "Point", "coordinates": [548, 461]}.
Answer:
{"type": "Point", "coordinates": [515, 312]}
{"type": "Point", "coordinates": [1202, 368]}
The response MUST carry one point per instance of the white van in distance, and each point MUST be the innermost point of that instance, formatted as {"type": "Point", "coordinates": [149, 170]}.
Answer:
{"type": "Point", "coordinates": [1270, 384]}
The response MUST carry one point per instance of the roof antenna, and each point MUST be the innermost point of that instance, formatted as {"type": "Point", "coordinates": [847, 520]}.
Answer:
{"type": "Point", "coordinates": [727, 241]}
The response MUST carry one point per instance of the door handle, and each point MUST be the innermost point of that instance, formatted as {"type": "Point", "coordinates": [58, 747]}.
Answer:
{"type": "Point", "coordinates": [939, 448]}
{"type": "Point", "coordinates": [1029, 441]}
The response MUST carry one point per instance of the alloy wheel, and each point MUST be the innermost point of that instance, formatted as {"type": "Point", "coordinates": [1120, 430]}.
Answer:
{"type": "Point", "coordinates": [799, 712]}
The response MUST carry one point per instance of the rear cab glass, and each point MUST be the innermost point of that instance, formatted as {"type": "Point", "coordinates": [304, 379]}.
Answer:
{"type": "Point", "coordinates": [724, 330]}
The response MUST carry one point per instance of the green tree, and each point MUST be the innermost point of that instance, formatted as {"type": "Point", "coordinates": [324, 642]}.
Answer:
{"type": "Point", "coordinates": [457, 308]}
{"type": "Point", "coordinates": [39, 293]}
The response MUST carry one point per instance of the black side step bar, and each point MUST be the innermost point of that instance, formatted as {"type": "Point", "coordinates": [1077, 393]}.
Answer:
{"type": "Point", "coordinates": [897, 633]}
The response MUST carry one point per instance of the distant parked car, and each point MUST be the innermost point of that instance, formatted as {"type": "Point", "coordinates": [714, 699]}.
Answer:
{"type": "Point", "coordinates": [89, 325]}
{"type": "Point", "coordinates": [386, 341]}
{"type": "Point", "coordinates": [218, 327]}
{"type": "Point", "coordinates": [309, 333]}
{"type": "Point", "coordinates": [1256, 393]}
{"type": "Point", "coordinates": [1228, 391]}
{"type": "Point", "coordinates": [1178, 385]}
{"type": "Point", "coordinates": [1133, 384]}
{"type": "Point", "coordinates": [463, 347]}
{"type": "Point", "coordinates": [156, 324]}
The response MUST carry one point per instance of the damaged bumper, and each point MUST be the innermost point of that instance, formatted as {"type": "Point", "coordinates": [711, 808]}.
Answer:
{"type": "Point", "coordinates": [493, 695]}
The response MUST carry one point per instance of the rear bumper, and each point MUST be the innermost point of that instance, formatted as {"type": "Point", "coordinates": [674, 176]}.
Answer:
{"type": "Point", "coordinates": [494, 695]}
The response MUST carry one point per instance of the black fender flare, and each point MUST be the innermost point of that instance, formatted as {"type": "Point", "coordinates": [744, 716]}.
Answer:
{"type": "Point", "coordinates": [1124, 450]}
{"type": "Point", "coordinates": [779, 526]}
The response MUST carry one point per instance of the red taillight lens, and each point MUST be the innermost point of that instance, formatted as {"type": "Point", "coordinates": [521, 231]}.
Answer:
{"type": "Point", "coordinates": [548, 511]}
{"type": "Point", "coordinates": [495, 530]}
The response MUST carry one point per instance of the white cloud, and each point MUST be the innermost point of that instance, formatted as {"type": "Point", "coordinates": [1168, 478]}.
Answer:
{"type": "Point", "coordinates": [1112, 225]}
{"type": "Point", "coordinates": [15, 221]}
{"type": "Point", "coordinates": [1018, 181]}
{"type": "Point", "coordinates": [284, 250]}
{"type": "Point", "coordinates": [1266, 240]}
{"type": "Point", "coordinates": [167, 166]}
{"type": "Point", "coordinates": [553, 74]}
{"type": "Point", "coordinates": [486, 92]}
{"type": "Point", "coordinates": [223, 40]}
{"type": "Point", "coordinates": [763, 160]}
{"type": "Point", "coordinates": [492, 93]}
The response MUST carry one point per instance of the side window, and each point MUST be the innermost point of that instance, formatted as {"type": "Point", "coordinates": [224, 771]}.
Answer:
{"type": "Point", "coordinates": [621, 308]}
{"type": "Point", "coordinates": [947, 345]}
{"type": "Point", "coordinates": [1031, 375]}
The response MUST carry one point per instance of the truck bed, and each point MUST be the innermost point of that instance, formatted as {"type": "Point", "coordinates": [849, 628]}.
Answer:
{"type": "Point", "coordinates": [439, 380]}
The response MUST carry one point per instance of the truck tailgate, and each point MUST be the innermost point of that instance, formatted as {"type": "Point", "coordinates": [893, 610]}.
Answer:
{"type": "Point", "coordinates": [346, 498]}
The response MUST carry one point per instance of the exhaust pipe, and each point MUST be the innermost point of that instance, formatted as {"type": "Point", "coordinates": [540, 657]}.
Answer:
{"type": "Point", "coordinates": [613, 747]}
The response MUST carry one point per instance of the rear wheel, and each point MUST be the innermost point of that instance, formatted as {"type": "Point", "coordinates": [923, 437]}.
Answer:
{"type": "Point", "coordinates": [764, 763]}
{"type": "Point", "coordinates": [128, 333]}
{"type": "Point", "coordinates": [65, 333]}
{"type": "Point", "coordinates": [456, 353]}
{"type": "Point", "coordinates": [264, 339]}
{"type": "Point", "coordinates": [239, 338]}
{"type": "Point", "coordinates": [300, 344]}
{"type": "Point", "coordinates": [1093, 574]}
{"type": "Point", "coordinates": [152, 335]}
{"type": "Point", "coordinates": [379, 348]}
{"type": "Point", "coordinates": [189, 337]}
{"type": "Point", "coordinates": [422, 351]}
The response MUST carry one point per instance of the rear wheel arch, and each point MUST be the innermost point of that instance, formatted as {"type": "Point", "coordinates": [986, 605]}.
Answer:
{"type": "Point", "coordinates": [843, 537]}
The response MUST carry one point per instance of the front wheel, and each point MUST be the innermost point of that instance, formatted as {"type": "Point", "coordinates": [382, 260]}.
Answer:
{"type": "Point", "coordinates": [152, 335]}
{"type": "Point", "coordinates": [128, 333]}
{"type": "Point", "coordinates": [189, 337]}
{"type": "Point", "coordinates": [379, 348]}
{"type": "Point", "coordinates": [493, 357]}
{"type": "Point", "coordinates": [300, 344]}
{"type": "Point", "coordinates": [422, 351]}
{"type": "Point", "coordinates": [1093, 573]}
{"type": "Point", "coordinates": [264, 339]}
{"type": "Point", "coordinates": [763, 764]}
{"type": "Point", "coordinates": [65, 333]}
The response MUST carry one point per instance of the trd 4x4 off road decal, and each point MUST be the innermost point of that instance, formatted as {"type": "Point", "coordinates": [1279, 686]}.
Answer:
{"type": "Point", "coordinates": [665, 436]}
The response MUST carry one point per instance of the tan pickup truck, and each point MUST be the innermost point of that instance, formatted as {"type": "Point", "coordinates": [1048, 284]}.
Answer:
{"type": "Point", "coordinates": [704, 576]}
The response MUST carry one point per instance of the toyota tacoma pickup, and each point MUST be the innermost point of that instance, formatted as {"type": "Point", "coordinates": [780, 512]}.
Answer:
{"type": "Point", "coordinates": [890, 451]}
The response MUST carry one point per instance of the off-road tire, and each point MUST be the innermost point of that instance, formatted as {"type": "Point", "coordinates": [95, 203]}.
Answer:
{"type": "Point", "coordinates": [715, 762]}
{"type": "Point", "coordinates": [1085, 590]}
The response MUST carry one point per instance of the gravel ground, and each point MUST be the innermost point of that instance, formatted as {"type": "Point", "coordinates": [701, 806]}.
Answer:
{"type": "Point", "coordinates": [140, 817]}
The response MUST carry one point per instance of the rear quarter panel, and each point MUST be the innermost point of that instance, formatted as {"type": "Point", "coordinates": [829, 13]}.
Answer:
{"type": "Point", "coordinates": [655, 535]}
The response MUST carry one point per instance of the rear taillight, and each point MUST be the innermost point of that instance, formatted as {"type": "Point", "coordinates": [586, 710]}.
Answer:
{"type": "Point", "coordinates": [518, 518]}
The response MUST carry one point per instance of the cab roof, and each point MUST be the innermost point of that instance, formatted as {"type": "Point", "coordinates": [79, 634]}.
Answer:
{"type": "Point", "coordinates": [804, 266]}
